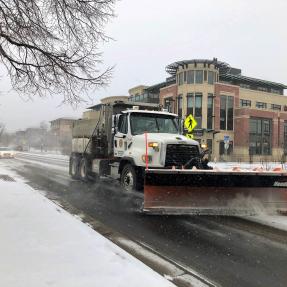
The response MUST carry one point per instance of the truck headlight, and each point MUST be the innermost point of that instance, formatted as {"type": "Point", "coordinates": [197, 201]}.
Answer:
{"type": "Point", "coordinates": [154, 145]}
{"type": "Point", "coordinates": [149, 158]}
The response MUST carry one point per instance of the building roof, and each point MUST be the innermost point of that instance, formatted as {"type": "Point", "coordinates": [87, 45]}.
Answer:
{"type": "Point", "coordinates": [65, 119]}
{"type": "Point", "coordinates": [156, 87]}
{"type": "Point", "coordinates": [252, 81]}
{"type": "Point", "coordinates": [222, 66]}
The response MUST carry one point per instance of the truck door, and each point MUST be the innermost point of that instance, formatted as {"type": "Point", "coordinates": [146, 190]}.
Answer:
{"type": "Point", "coordinates": [120, 138]}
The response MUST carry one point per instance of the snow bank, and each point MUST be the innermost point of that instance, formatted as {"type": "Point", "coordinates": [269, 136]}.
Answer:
{"type": "Point", "coordinates": [43, 245]}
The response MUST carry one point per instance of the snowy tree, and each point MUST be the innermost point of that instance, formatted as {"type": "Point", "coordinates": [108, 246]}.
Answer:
{"type": "Point", "coordinates": [51, 46]}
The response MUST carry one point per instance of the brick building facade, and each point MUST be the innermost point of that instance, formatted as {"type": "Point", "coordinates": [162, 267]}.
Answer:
{"type": "Point", "coordinates": [239, 117]}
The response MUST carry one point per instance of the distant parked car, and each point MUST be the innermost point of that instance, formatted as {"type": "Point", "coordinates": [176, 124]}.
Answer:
{"type": "Point", "coordinates": [6, 152]}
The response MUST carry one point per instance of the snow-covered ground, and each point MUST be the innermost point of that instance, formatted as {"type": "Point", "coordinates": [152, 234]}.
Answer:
{"type": "Point", "coordinates": [47, 154]}
{"type": "Point", "coordinates": [247, 166]}
{"type": "Point", "coordinates": [43, 245]}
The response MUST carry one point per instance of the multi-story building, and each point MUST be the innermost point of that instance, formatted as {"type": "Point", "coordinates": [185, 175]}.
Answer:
{"type": "Point", "coordinates": [62, 126]}
{"type": "Point", "coordinates": [146, 94]}
{"type": "Point", "coordinates": [238, 117]}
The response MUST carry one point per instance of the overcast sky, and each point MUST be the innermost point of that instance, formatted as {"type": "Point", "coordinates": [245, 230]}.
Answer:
{"type": "Point", "coordinates": [150, 34]}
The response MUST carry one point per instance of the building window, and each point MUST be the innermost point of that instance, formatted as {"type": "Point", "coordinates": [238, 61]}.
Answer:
{"type": "Point", "coordinates": [210, 77]}
{"type": "Point", "coordinates": [275, 91]}
{"type": "Point", "coordinates": [210, 111]}
{"type": "Point", "coordinates": [180, 78]}
{"type": "Point", "coordinates": [261, 105]}
{"type": "Point", "coordinates": [198, 110]}
{"type": "Point", "coordinates": [276, 107]}
{"type": "Point", "coordinates": [179, 105]}
{"type": "Point", "coordinates": [245, 103]}
{"type": "Point", "coordinates": [184, 77]}
{"type": "Point", "coordinates": [285, 137]}
{"type": "Point", "coordinates": [169, 104]}
{"type": "Point", "coordinates": [245, 86]}
{"type": "Point", "coordinates": [226, 112]}
{"type": "Point", "coordinates": [205, 75]}
{"type": "Point", "coordinates": [259, 136]}
{"type": "Point", "coordinates": [190, 77]}
{"type": "Point", "coordinates": [209, 145]}
{"type": "Point", "coordinates": [194, 107]}
{"type": "Point", "coordinates": [223, 150]}
{"type": "Point", "coordinates": [199, 77]}
{"type": "Point", "coordinates": [137, 98]}
{"type": "Point", "coordinates": [190, 105]}
{"type": "Point", "coordinates": [263, 89]}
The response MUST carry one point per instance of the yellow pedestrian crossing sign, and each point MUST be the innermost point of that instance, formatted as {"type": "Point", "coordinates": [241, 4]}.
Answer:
{"type": "Point", "coordinates": [190, 123]}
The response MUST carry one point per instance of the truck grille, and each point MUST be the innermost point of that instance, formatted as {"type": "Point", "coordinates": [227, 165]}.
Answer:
{"type": "Point", "coordinates": [180, 154]}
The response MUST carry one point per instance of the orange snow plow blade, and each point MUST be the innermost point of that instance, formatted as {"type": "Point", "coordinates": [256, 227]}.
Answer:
{"type": "Point", "coordinates": [210, 192]}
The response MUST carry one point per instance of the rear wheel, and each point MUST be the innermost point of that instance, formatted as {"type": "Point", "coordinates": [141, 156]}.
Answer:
{"type": "Point", "coordinates": [131, 179]}
{"type": "Point", "coordinates": [74, 167]}
{"type": "Point", "coordinates": [84, 169]}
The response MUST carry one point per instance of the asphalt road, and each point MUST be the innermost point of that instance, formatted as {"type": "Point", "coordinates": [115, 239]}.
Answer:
{"type": "Point", "coordinates": [228, 251]}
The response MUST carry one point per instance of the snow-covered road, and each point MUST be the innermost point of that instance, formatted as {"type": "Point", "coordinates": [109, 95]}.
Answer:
{"type": "Point", "coordinates": [228, 251]}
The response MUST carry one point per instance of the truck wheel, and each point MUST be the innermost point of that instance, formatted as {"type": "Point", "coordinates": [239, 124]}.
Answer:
{"type": "Point", "coordinates": [74, 167]}
{"type": "Point", "coordinates": [130, 179]}
{"type": "Point", "coordinates": [84, 169]}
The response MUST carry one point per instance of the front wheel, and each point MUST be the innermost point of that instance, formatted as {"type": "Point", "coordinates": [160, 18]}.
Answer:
{"type": "Point", "coordinates": [131, 179]}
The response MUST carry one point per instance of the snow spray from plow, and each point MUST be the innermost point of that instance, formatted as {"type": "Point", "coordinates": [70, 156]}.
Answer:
{"type": "Point", "coordinates": [213, 192]}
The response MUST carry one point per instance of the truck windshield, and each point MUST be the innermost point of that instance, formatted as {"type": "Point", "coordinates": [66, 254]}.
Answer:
{"type": "Point", "coordinates": [153, 123]}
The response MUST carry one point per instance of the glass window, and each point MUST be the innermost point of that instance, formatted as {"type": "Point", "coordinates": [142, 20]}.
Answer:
{"type": "Point", "coordinates": [261, 105]}
{"type": "Point", "coordinates": [184, 77]}
{"type": "Point", "coordinates": [144, 122]}
{"type": "Point", "coordinates": [285, 137]}
{"type": "Point", "coordinates": [245, 103]}
{"type": "Point", "coordinates": [263, 89]}
{"type": "Point", "coordinates": [275, 91]}
{"type": "Point", "coordinates": [260, 136]}
{"type": "Point", "coordinates": [229, 113]}
{"type": "Point", "coordinates": [276, 107]}
{"type": "Point", "coordinates": [209, 145]}
{"type": "Point", "coordinates": [179, 106]}
{"type": "Point", "coordinates": [205, 75]}
{"type": "Point", "coordinates": [198, 110]}
{"type": "Point", "coordinates": [123, 124]}
{"type": "Point", "coordinates": [180, 78]}
{"type": "Point", "coordinates": [222, 149]}
{"type": "Point", "coordinates": [210, 77]}
{"type": "Point", "coordinates": [245, 86]}
{"type": "Point", "coordinates": [210, 111]}
{"type": "Point", "coordinates": [190, 77]}
{"type": "Point", "coordinates": [222, 112]}
{"type": "Point", "coordinates": [169, 104]}
{"type": "Point", "coordinates": [199, 77]}
{"type": "Point", "coordinates": [189, 100]}
{"type": "Point", "coordinates": [226, 112]}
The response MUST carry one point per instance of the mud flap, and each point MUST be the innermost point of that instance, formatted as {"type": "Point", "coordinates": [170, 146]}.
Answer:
{"type": "Point", "coordinates": [209, 192]}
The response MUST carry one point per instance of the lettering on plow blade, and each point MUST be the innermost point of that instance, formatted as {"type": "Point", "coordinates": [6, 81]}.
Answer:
{"type": "Point", "coordinates": [207, 192]}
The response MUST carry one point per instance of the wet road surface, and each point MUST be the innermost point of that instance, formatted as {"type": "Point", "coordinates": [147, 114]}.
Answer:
{"type": "Point", "coordinates": [228, 251]}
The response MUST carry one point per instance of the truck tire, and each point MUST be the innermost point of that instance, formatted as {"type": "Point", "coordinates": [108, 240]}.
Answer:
{"type": "Point", "coordinates": [74, 167]}
{"type": "Point", "coordinates": [131, 179]}
{"type": "Point", "coordinates": [84, 169]}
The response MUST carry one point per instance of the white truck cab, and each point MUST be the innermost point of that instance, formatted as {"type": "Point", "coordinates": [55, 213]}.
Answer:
{"type": "Point", "coordinates": [155, 132]}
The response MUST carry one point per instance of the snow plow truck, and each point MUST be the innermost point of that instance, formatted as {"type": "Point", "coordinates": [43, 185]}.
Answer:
{"type": "Point", "coordinates": [144, 148]}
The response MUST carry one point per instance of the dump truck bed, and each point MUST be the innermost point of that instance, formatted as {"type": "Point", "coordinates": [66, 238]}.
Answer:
{"type": "Point", "coordinates": [176, 191]}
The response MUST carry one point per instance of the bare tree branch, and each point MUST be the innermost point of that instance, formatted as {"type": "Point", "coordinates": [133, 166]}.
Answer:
{"type": "Point", "coordinates": [51, 46]}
